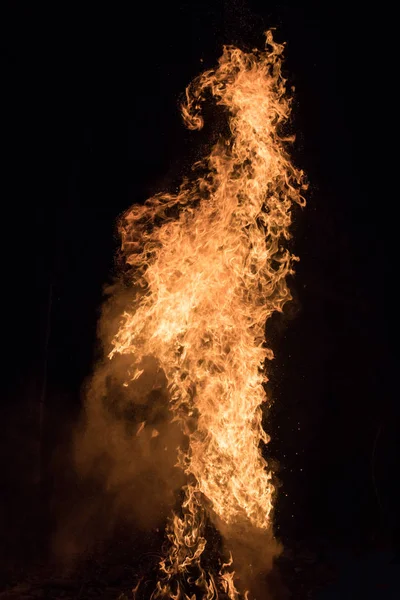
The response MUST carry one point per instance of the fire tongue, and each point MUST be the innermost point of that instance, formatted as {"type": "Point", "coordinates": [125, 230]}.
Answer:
{"type": "Point", "coordinates": [208, 268]}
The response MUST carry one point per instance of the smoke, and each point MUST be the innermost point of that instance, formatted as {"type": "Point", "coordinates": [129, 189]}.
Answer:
{"type": "Point", "coordinates": [254, 551]}
{"type": "Point", "coordinates": [124, 449]}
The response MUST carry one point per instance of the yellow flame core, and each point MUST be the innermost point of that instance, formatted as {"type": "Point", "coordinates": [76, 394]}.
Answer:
{"type": "Point", "coordinates": [209, 269]}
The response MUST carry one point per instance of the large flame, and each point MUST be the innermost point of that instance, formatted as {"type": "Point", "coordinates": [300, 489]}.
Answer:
{"type": "Point", "coordinates": [208, 268]}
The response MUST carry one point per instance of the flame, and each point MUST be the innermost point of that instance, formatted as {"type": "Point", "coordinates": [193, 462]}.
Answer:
{"type": "Point", "coordinates": [208, 267]}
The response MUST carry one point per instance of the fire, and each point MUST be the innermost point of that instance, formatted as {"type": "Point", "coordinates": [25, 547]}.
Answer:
{"type": "Point", "coordinates": [208, 267]}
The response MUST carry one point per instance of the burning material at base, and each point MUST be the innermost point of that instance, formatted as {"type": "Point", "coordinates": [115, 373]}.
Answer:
{"type": "Point", "coordinates": [207, 267]}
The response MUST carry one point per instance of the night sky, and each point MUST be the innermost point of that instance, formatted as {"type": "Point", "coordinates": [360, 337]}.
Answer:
{"type": "Point", "coordinates": [91, 124]}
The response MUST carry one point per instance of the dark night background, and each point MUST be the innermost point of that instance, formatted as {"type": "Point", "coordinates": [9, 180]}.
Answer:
{"type": "Point", "coordinates": [91, 124]}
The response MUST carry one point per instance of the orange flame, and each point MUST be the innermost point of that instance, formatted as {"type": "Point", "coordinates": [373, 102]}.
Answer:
{"type": "Point", "coordinates": [209, 267]}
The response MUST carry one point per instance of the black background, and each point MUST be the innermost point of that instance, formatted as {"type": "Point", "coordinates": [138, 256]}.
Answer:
{"type": "Point", "coordinates": [91, 124]}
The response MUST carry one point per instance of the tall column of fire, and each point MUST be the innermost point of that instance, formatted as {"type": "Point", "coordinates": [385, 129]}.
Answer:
{"type": "Point", "coordinates": [208, 268]}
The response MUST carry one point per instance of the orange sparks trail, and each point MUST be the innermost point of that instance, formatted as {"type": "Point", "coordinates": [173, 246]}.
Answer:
{"type": "Point", "coordinates": [208, 268]}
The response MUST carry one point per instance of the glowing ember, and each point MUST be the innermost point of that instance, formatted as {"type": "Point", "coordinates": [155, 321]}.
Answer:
{"type": "Point", "coordinates": [209, 267]}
